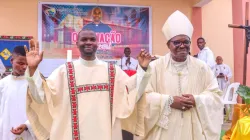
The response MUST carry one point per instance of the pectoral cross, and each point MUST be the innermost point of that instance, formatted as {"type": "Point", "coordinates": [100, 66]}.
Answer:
{"type": "Point", "coordinates": [246, 27]}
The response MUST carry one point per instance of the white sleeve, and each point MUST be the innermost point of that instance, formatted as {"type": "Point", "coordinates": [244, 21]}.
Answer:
{"type": "Point", "coordinates": [142, 80]}
{"type": "Point", "coordinates": [229, 74]}
{"type": "Point", "coordinates": [134, 88]}
{"type": "Point", "coordinates": [209, 107]}
{"type": "Point", "coordinates": [159, 107]}
{"type": "Point", "coordinates": [163, 121]}
{"type": "Point", "coordinates": [35, 86]}
{"type": "Point", "coordinates": [27, 123]}
{"type": "Point", "coordinates": [210, 59]}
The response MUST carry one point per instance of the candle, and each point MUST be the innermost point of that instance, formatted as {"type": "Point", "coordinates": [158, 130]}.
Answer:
{"type": "Point", "coordinates": [69, 55]}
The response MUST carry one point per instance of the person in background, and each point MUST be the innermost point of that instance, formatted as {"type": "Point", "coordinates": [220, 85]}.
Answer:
{"type": "Point", "coordinates": [97, 25]}
{"type": "Point", "coordinates": [223, 73]}
{"type": "Point", "coordinates": [205, 53]}
{"type": "Point", "coordinates": [127, 62]}
{"type": "Point", "coordinates": [14, 124]}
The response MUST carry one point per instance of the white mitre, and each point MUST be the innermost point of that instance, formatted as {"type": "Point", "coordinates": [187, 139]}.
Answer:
{"type": "Point", "coordinates": [177, 24]}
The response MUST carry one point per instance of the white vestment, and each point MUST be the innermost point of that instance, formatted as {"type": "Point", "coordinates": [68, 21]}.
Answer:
{"type": "Point", "coordinates": [223, 82]}
{"type": "Point", "coordinates": [207, 56]}
{"type": "Point", "coordinates": [13, 92]}
{"type": "Point", "coordinates": [50, 102]}
{"type": "Point", "coordinates": [203, 122]}
{"type": "Point", "coordinates": [132, 66]}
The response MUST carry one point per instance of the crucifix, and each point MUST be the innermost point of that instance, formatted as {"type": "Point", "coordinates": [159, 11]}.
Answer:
{"type": "Point", "coordinates": [246, 27]}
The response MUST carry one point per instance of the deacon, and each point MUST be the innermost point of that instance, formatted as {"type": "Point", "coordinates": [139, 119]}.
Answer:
{"type": "Point", "coordinates": [183, 98]}
{"type": "Point", "coordinates": [13, 89]}
{"type": "Point", "coordinates": [84, 99]}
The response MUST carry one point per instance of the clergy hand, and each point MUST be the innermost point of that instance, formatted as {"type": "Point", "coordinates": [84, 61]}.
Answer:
{"type": "Point", "coordinates": [33, 56]}
{"type": "Point", "coordinates": [144, 59]}
{"type": "Point", "coordinates": [190, 98]}
{"type": "Point", "coordinates": [220, 76]}
{"type": "Point", "coordinates": [19, 130]}
{"type": "Point", "coordinates": [181, 103]}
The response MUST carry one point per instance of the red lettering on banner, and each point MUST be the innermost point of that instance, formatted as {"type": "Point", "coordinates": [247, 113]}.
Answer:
{"type": "Point", "coordinates": [118, 38]}
{"type": "Point", "coordinates": [107, 37]}
{"type": "Point", "coordinates": [104, 38]}
{"type": "Point", "coordinates": [74, 37]}
{"type": "Point", "coordinates": [101, 38]}
{"type": "Point", "coordinates": [112, 36]}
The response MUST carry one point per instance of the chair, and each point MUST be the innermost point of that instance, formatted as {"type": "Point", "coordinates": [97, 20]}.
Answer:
{"type": "Point", "coordinates": [230, 98]}
{"type": "Point", "coordinates": [234, 87]}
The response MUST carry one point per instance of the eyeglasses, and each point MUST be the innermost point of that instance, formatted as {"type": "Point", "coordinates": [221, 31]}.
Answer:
{"type": "Point", "coordinates": [179, 43]}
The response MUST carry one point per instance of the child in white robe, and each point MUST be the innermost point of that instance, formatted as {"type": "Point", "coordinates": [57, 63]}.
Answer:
{"type": "Point", "coordinates": [13, 89]}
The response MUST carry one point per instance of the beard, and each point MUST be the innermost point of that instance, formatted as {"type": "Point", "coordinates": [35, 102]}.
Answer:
{"type": "Point", "coordinates": [88, 53]}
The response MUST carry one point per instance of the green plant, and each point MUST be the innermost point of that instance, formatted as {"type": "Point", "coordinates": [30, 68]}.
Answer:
{"type": "Point", "coordinates": [244, 93]}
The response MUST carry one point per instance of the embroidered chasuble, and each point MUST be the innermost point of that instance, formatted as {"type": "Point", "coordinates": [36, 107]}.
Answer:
{"type": "Point", "coordinates": [85, 100]}
{"type": "Point", "coordinates": [13, 91]}
{"type": "Point", "coordinates": [203, 122]}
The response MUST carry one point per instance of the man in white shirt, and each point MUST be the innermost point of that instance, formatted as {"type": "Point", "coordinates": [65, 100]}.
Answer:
{"type": "Point", "coordinates": [205, 53]}
{"type": "Point", "coordinates": [127, 62]}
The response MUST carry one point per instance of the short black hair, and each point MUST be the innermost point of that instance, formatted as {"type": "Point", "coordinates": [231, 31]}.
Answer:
{"type": "Point", "coordinates": [87, 29]}
{"type": "Point", "coordinates": [127, 48]}
{"type": "Point", "coordinates": [201, 38]}
{"type": "Point", "coordinates": [19, 50]}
